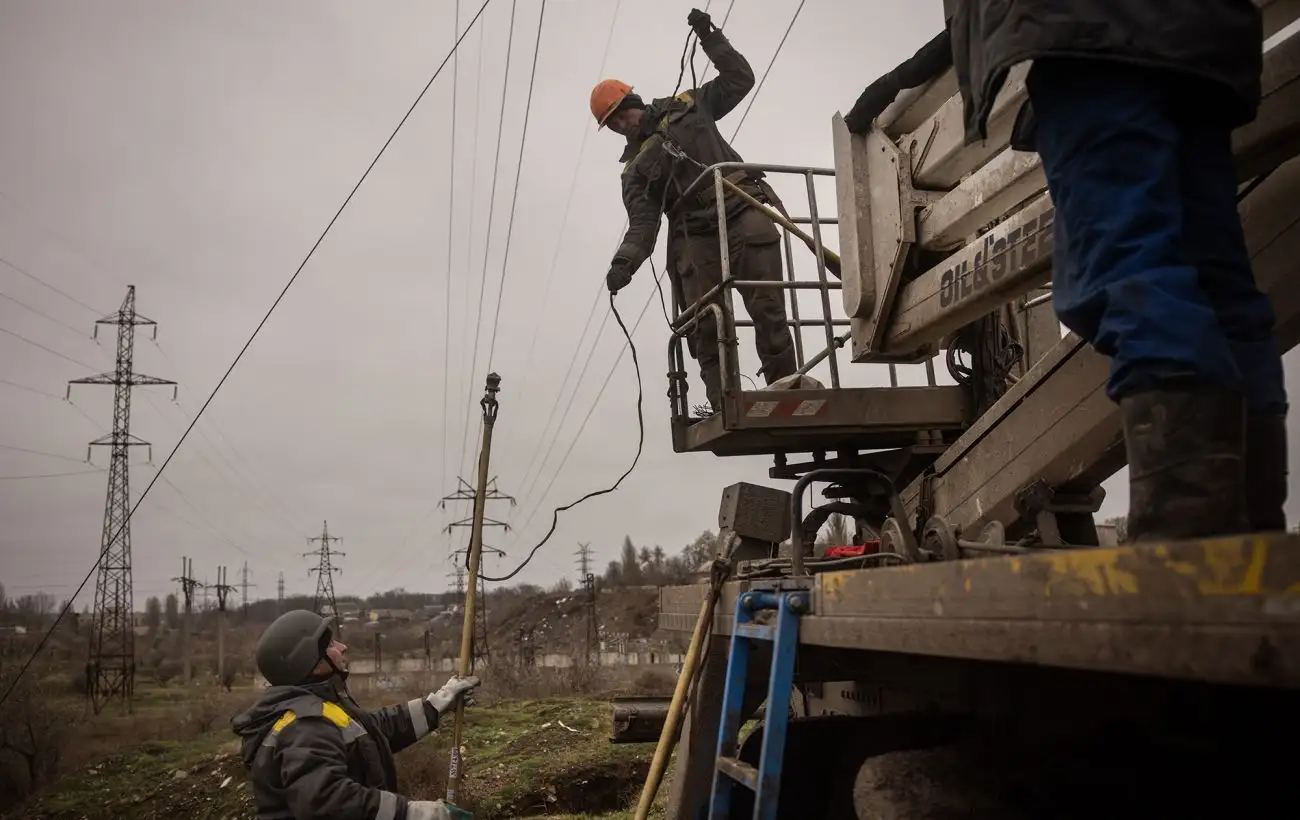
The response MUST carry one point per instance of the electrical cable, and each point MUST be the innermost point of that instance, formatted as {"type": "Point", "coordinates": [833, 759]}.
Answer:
{"type": "Point", "coordinates": [640, 420]}
{"type": "Point", "coordinates": [13, 685]}
{"type": "Point", "coordinates": [451, 221]}
{"type": "Point", "coordinates": [559, 242]}
{"type": "Point", "coordinates": [40, 453]}
{"type": "Point", "coordinates": [464, 367]}
{"type": "Point", "coordinates": [30, 389]}
{"type": "Point", "coordinates": [631, 346]}
{"type": "Point", "coordinates": [48, 475]}
{"type": "Point", "coordinates": [770, 63]}
{"type": "Point", "coordinates": [492, 201]}
{"type": "Point", "coordinates": [45, 284]}
{"type": "Point", "coordinates": [681, 73]}
{"type": "Point", "coordinates": [514, 196]}
{"type": "Point", "coordinates": [44, 315]}
{"type": "Point", "coordinates": [51, 351]}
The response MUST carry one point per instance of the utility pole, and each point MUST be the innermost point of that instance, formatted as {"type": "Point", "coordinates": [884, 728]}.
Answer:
{"type": "Point", "coordinates": [111, 666]}
{"type": "Point", "coordinates": [490, 409]}
{"type": "Point", "coordinates": [188, 584]}
{"type": "Point", "coordinates": [325, 570]}
{"type": "Point", "coordinates": [223, 589]}
{"type": "Point", "coordinates": [279, 594]}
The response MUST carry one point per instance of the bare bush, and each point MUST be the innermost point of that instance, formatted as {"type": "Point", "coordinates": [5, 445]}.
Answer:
{"type": "Point", "coordinates": [36, 727]}
{"type": "Point", "coordinates": [654, 682]}
{"type": "Point", "coordinates": [584, 679]}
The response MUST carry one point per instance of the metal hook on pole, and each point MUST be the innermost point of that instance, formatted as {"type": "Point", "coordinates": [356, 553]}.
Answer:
{"type": "Point", "coordinates": [490, 408]}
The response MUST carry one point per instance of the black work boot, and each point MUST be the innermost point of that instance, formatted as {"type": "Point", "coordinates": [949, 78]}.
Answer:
{"type": "Point", "coordinates": [1186, 463]}
{"type": "Point", "coordinates": [1266, 471]}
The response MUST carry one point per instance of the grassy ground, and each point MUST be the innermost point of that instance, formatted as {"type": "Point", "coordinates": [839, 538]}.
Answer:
{"type": "Point", "coordinates": [523, 758]}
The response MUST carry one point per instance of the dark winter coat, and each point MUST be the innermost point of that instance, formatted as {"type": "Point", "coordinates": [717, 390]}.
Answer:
{"type": "Point", "coordinates": [1220, 41]}
{"type": "Point", "coordinates": [314, 753]}
{"type": "Point", "coordinates": [654, 179]}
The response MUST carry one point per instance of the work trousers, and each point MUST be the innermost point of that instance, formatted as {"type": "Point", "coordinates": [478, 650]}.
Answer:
{"type": "Point", "coordinates": [1150, 264]}
{"type": "Point", "coordinates": [754, 251]}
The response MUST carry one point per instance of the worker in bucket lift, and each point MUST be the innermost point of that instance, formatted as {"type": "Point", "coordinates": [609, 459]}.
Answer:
{"type": "Point", "coordinates": [669, 143]}
{"type": "Point", "coordinates": [312, 751]}
{"type": "Point", "coordinates": [1131, 108]}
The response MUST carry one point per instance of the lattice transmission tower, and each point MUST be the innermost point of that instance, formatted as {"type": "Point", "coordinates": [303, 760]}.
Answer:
{"type": "Point", "coordinates": [325, 569]}
{"type": "Point", "coordinates": [110, 670]}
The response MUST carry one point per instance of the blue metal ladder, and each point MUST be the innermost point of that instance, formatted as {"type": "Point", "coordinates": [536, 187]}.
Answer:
{"type": "Point", "coordinates": [764, 781]}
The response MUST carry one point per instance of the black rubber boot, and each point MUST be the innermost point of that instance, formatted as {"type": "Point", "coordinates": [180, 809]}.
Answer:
{"type": "Point", "coordinates": [1266, 472]}
{"type": "Point", "coordinates": [1186, 451]}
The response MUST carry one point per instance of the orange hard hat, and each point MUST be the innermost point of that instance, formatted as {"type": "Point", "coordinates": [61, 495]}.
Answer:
{"type": "Point", "coordinates": [605, 98]}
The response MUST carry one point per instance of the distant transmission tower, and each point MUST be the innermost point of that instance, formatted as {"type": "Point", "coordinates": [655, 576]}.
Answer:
{"type": "Point", "coordinates": [279, 594]}
{"type": "Point", "coordinates": [584, 562]}
{"type": "Point", "coordinates": [588, 582]}
{"type": "Point", "coordinates": [244, 584]}
{"type": "Point", "coordinates": [325, 570]}
{"type": "Point", "coordinates": [111, 667]}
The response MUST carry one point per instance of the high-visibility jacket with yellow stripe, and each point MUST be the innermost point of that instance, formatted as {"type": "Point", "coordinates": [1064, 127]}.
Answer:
{"type": "Point", "coordinates": [313, 752]}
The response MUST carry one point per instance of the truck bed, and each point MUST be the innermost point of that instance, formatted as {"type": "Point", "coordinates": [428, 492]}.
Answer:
{"type": "Point", "coordinates": [1225, 610]}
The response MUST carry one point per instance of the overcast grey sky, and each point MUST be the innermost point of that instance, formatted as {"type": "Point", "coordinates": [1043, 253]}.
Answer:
{"type": "Point", "coordinates": [196, 150]}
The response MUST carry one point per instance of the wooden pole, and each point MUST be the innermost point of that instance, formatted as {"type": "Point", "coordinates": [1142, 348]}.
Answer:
{"type": "Point", "coordinates": [490, 407]}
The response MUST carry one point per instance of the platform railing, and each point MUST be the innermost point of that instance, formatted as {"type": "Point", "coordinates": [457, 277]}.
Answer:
{"type": "Point", "coordinates": [719, 300]}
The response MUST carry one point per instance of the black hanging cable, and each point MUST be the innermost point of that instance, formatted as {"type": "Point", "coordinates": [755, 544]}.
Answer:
{"type": "Point", "coordinates": [640, 443]}
{"type": "Point", "coordinates": [13, 685]}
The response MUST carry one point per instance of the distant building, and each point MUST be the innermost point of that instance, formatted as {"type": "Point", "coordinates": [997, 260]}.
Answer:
{"type": "Point", "coordinates": [380, 615]}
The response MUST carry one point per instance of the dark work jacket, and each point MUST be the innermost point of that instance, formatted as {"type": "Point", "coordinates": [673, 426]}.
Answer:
{"type": "Point", "coordinates": [1220, 41]}
{"type": "Point", "coordinates": [654, 179]}
{"type": "Point", "coordinates": [313, 752]}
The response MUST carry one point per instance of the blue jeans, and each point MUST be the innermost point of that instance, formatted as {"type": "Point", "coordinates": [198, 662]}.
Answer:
{"type": "Point", "coordinates": [1150, 263]}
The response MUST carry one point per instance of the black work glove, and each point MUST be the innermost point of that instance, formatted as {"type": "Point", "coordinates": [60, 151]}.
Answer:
{"type": "Point", "coordinates": [701, 23]}
{"type": "Point", "coordinates": [619, 276]}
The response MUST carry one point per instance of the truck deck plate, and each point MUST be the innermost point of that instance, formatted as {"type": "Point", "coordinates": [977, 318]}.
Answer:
{"type": "Point", "coordinates": [1224, 610]}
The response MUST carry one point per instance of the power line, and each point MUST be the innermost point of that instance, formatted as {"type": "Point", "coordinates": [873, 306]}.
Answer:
{"type": "Point", "coordinates": [770, 63]}
{"type": "Point", "coordinates": [725, 17]}
{"type": "Point", "coordinates": [559, 242]}
{"type": "Point", "coordinates": [465, 367]}
{"type": "Point", "coordinates": [451, 221]}
{"type": "Point", "coordinates": [45, 284]}
{"type": "Point", "coordinates": [63, 612]}
{"type": "Point", "coordinates": [492, 197]}
{"type": "Point", "coordinates": [514, 197]}
{"type": "Point", "coordinates": [651, 295]}
{"type": "Point", "coordinates": [43, 315]}
{"type": "Point", "coordinates": [51, 351]}
{"type": "Point", "coordinates": [41, 453]}
{"type": "Point", "coordinates": [31, 389]}
{"type": "Point", "coordinates": [48, 475]}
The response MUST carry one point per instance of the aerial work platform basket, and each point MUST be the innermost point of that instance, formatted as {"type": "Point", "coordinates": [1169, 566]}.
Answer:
{"type": "Point", "coordinates": [777, 421]}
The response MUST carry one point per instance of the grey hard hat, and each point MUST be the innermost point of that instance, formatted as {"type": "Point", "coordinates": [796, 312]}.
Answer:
{"type": "Point", "coordinates": [292, 646]}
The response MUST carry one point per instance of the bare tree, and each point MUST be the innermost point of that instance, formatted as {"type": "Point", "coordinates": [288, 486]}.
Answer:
{"type": "Point", "coordinates": [35, 728]}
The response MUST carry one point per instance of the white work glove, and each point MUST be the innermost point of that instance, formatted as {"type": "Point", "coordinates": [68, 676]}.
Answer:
{"type": "Point", "coordinates": [444, 700]}
{"type": "Point", "coordinates": [434, 810]}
